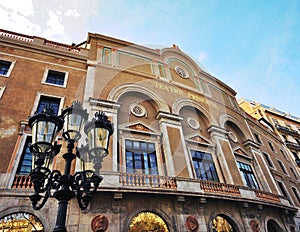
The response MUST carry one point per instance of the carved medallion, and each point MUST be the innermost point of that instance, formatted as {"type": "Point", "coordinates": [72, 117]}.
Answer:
{"type": "Point", "coordinates": [181, 72]}
{"type": "Point", "coordinates": [254, 226]}
{"type": "Point", "coordinates": [192, 223]}
{"type": "Point", "coordinates": [99, 223]}
{"type": "Point", "coordinates": [138, 110]}
{"type": "Point", "coordinates": [193, 123]}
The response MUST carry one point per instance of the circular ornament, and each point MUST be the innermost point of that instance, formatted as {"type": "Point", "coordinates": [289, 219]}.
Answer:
{"type": "Point", "coordinates": [193, 123]}
{"type": "Point", "coordinates": [181, 72]}
{"type": "Point", "coordinates": [99, 223]}
{"type": "Point", "coordinates": [232, 136]}
{"type": "Point", "coordinates": [138, 110]}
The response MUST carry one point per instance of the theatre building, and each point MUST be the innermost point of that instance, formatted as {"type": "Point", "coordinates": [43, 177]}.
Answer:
{"type": "Point", "coordinates": [183, 155]}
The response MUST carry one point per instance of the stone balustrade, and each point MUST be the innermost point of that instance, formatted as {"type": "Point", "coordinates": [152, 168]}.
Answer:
{"type": "Point", "coordinates": [164, 182]}
{"type": "Point", "coordinates": [142, 180]}
{"type": "Point", "coordinates": [39, 41]}
{"type": "Point", "coordinates": [22, 182]}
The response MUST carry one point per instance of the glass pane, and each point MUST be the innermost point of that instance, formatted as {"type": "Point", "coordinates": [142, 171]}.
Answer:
{"type": "Point", "coordinates": [102, 138]}
{"type": "Point", "coordinates": [136, 145]}
{"type": "Point", "coordinates": [128, 144]}
{"type": "Point", "coordinates": [144, 146]}
{"type": "Point", "coordinates": [151, 146]}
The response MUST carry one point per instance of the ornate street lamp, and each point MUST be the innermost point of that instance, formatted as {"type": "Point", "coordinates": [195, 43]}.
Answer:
{"type": "Point", "coordinates": [64, 187]}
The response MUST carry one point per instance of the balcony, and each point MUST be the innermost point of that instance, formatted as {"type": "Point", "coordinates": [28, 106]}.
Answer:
{"type": "Point", "coordinates": [267, 196]}
{"type": "Point", "coordinates": [190, 186]}
{"type": "Point", "coordinates": [288, 131]}
{"type": "Point", "coordinates": [22, 182]}
{"type": "Point", "coordinates": [291, 145]}
{"type": "Point", "coordinates": [151, 181]}
{"type": "Point", "coordinates": [219, 188]}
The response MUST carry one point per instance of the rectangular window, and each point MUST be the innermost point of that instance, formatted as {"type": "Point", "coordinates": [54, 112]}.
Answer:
{"type": "Point", "coordinates": [282, 167]}
{"type": "Point", "coordinates": [257, 138]}
{"type": "Point", "coordinates": [107, 56]}
{"type": "Point", "coordinates": [267, 157]}
{"type": "Point", "coordinates": [55, 77]}
{"type": "Point", "coordinates": [296, 194]}
{"type": "Point", "coordinates": [295, 155]}
{"type": "Point", "coordinates": [247, 175]}
{"type": "Point", "coordinates": [204, 166]}
{"type": "Point", "coordinates": [271, 146]}
{"type": "Point", "coordinates": [161, 70]}
{"type": "Point", "coordinates": [282, 189]}
{"type": "Point", "coordinates": [5, 67]}
{"type": "Point", "coordinates": [48, 101]}
{"type": "Point", "coordinates": [25, 164]}
{"type": "Point", "coordinates": [140, 157]}
{"type": "Point", "coordinates": [294, 173]}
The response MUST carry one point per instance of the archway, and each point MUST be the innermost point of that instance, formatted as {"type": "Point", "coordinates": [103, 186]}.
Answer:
{"type": "Point", "coordinates": [222, 223]}
{"type": "Point", "coordinates": [148, 221]}
{"type": "Point", "coordinates": [272, 226]}
{"type": "Point", "coordinates": [21, 222]}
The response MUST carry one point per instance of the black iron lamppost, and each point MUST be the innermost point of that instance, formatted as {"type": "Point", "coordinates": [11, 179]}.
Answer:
{"type": "Point", "coordinates": [64, 187]}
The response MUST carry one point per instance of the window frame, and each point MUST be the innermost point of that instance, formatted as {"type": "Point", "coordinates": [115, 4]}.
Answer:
{"type": "Point", "coordinates": [46, 73]}
{"type": "Point", "coordinates": [268, 159]}
{"type": "Point", "coordinates": [272, 146]}
{"type": "Point", "coordinates": [282, 167]}
{"type": "Point", "coordinates": [206, 162]}
{"type": "Point", "coordinates": [296, 193]}
{"type": "Point", "coordinates": [28, 141]}
{"type": "Point", "coordinates": [12, 64]}
{"type": "Point", "coordinates": [283, 191]}
{"type": "Point", "coordinates": [257, 138]}
{"type": "Point", "coordinates": [251, 172]}
{"type": "Point", "coordinates": [125, 133]}
{"type": "Point", "coordinates": [141, 152]}
{"type": "Point", "coordinates": [38, 98]}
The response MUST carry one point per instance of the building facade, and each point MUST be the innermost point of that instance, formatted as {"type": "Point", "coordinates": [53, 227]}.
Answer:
{"type": "Point", "coordinates": [284, 124]}
{"type": "Point", "coordinates": [184, 156]}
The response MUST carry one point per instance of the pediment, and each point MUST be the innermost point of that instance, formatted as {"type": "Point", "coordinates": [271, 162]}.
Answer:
{"type": "Point", "coordinates": [138, 127]}
{"type": "Point", "coordinates": [240, 151]}
{"type": "Point", "coordinates": [198, 139]}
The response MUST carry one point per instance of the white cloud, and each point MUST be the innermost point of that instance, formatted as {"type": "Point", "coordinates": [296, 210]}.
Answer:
{"type": "Point", "coordinates": [14, 16]}
{"type": "Point", "coordinates": [55, 27]}
{"type": "Point", "coordinates": [74, 13]}
{"type": "Point", "coordinates": [202, 56]}
{"type": "Point", "coordinates": [23, 7]}
{"type": "Point", "coordinates": [62, 21]}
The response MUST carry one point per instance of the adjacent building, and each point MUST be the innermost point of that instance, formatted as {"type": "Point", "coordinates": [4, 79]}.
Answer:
{"type": "Point", "coordinates": [184, 156]}
{"type": "Point", "coordinates": [284, 124]}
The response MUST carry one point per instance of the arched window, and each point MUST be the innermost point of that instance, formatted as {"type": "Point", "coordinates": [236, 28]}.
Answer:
{"type": "Point", "coordinates": [221, 223]}
{"type": "Point", "coordinates": [21, 222]}
{"type": "Point", "coordinates": [148, 221]}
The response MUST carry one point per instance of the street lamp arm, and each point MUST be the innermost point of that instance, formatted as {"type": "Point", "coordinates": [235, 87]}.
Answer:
{"type": "Point", "coordinates": [38, 178]}
{"type": "Point", "coordinates": [85, 184]}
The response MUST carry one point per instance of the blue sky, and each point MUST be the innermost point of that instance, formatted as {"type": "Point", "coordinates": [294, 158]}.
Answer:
{"type": "Point", "coordinates": [253, 46]}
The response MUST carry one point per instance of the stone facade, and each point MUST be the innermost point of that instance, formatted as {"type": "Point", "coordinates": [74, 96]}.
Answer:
{"type": "Point", "coordinates": [183, 156]}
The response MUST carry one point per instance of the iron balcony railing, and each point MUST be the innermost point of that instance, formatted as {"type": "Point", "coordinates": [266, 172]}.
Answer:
{"type": "Point", "coordinates": [288, 130]}
{"type": "Point", "coordinates": [292, 145]}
